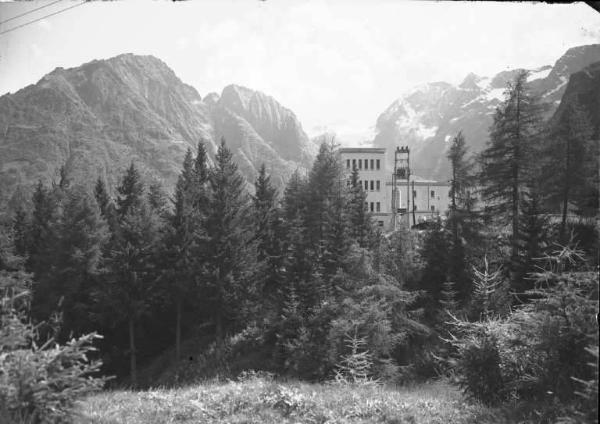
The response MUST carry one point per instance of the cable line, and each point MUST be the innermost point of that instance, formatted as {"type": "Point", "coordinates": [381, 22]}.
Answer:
{"type": "Point", "coordinates": [44, 17]}
{"type": "Point", "coordinates": [29, 11]}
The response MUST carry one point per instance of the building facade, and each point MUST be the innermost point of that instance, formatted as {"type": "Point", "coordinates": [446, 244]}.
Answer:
{"type": "Point", "coordinates": [427, 199]}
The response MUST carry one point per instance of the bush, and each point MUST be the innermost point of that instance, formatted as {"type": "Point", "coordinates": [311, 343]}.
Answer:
{"type": "Point", "coordinates": [540, 352]}
{"type": "Point", "coordinates": [40, 384]}
{"type": "Point", "coordinates": [479, 368]}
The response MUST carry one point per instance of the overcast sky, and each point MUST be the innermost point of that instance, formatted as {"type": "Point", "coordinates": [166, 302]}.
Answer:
{"type": "Point", "coordinates": [336, 63]}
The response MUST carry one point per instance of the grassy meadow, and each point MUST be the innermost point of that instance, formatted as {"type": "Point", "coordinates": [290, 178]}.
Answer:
{"type": "Point", "coordinates": [262, 400]}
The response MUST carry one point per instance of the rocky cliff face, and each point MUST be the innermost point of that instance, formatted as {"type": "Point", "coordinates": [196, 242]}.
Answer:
{"type": "Point", "coordinates": [100, 116]}
{"type": "Point", "coordinates": [429, 116]}
{"type": "Point", "coordinates": [583, 88]}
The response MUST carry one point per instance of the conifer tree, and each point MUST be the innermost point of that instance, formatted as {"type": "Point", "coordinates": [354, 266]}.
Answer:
{"type": "Point", "coordinates": [268, 232]}
{"type": "Point", "coordinates": [532, 239]}
{"type": "Point", "coordinates": [434, 254]}
{"type": "Point", "coordinates": [361, 227]}
{"type": "Point", "coordinates": [102, 197]}
{"type": "Point", "coordinates": [182, 241]}
{"type": "Point", "coordinates": [133, 244]}
{"type": "Point", "coordinates": [565, 153]}
{"type": "Point", "coordinates": [336, 242]}
{"type": "Point", "coordinates": [20, 230]}
{"type": "Point", "coordinates": [462, 219]}
{"type": "Point", "coordinates": [81, 236]}
{"type": "Point", "coordinates": [323, 181]}
{"type": "Point", "coordinates": [157, 199]}
{"type": "Point", "coordinates": [508, 160]}
{"type": "Point", "coordinates": [227, 239]}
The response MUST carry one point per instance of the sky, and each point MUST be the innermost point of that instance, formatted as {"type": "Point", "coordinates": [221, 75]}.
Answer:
{"type": "Point", "coordinates": [337, 64]}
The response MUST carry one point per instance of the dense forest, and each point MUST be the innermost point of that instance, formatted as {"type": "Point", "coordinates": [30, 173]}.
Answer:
{"type": "Point", "coordinates": [500, 296]}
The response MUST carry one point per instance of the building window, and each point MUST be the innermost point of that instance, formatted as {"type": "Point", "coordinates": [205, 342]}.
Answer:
{"type": "Point", "coordinates": [414, 193]}
{"type": "Point", "coordinates": [360, 164]}
{"type": "Point", "coordinates": [366, 163]}
{"type": "Point", "coordinates": [371, 206]}
{"type": "Point", "coordinates": [378, 185]}
{"type": "Point", "coordinates": [348, 163]}
{"type": "Point", "coordinates": [372, 187]}
{"type": "Point", "coordinates": [378, 164]}
{"type": "Point", "coordinates": [366, 205]}
{"type": "Point", "coordinates": [378, 207]}
{"type": "Point", "coordinates": [366, 185]}
{"type": "Point", "coordinates": [372, 163]}
{"type": "Point", "coordinates": [432, 194]}
{"type": "Point", "coordinates": [432, 208]}
{"type": "Point", "coordinates": [380, 223]}
{"type": "Point", "coordinates": [353, 163]}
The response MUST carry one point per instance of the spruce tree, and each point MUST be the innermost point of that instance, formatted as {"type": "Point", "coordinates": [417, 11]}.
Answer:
{"type": "Point", "coordinates": [361, 226]}
{"type": "Point", "coordinates": [81, 236]}
{"type": "Point", "coordinates": [227, 239]}
{"type": "Point", "coordinates": [508, 160]}
{"type": "Point", "coordinates": [131, 260]}
{"type": "Point", "coordinates": [434, 254]}
{"type": "Point", "coordinates": [336, 242]}
{"type": "Point", "coordinates": [102, 197]}
{"type": "Point", "coordinates": [268, 232]}
{"type": "Point", "coordinates": [182, 242]}
{"type": "Point", "coordinates": [323, 181]}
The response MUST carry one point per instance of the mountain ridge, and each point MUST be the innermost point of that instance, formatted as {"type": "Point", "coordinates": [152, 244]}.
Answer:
{"type": "Point", "coordinates": [426, 117]}
{"type": "Point", "coordinates": [98, 117]}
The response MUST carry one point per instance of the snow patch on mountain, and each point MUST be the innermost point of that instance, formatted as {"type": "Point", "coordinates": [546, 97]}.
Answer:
{"type": "Point", "coordinates": [540, 73]}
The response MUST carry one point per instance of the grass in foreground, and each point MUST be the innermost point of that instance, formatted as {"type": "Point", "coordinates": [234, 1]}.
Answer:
{"type": "Point", "coordinates": [259, 400]}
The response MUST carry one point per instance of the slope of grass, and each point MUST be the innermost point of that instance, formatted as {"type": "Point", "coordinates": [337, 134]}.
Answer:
{"type": "Point", "coordinates": [261, 400]}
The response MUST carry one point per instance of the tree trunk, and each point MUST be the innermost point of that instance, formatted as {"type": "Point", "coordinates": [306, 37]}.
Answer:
{"type": "Point", "coordinates": [132, 357]}
{"type": "Point", "coordinates": [563, 222]}
{"type": "Point", "coordinates": [178, 329]}
{"type": "Point", "coordinates": [219, 312]}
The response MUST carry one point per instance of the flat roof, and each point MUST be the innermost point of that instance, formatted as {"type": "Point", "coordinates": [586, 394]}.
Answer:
{"type": "Point", "coordinates": [362, 150]}
{"type": "Point", "coordinates": [420, 183]}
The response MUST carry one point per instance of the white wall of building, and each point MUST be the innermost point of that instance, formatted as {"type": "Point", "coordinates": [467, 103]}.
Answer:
{"type": "Point", "coordinates": [431, 198]}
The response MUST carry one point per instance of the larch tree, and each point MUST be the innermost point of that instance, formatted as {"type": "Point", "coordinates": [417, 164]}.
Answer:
{"type": "Point", "coordinates": [462, 220]}
{"type": "Point", "coordinates": [508, 161]}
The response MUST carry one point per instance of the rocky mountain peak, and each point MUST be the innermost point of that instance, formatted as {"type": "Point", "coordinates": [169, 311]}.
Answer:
{"type": "Point", "coordinates": [429, 115]}
{"type": "Point", "coordinates": [100, 116]}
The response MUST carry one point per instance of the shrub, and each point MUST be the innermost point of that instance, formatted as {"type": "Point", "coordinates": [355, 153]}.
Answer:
{"type": "Point", "coordinates": [479, 367]}
{"type": "Point", "coordinates": [40, 384]}
{"type": "Point", "coordinates": [539, 352]}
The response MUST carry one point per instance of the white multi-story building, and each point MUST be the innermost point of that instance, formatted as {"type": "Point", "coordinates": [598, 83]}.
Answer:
{"type": "Point", "coordinates": [427, 199]}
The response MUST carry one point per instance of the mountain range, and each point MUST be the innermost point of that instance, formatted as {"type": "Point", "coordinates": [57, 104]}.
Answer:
{"type": "Point", "coordinates": [97, 118]}
{"type": "Point", "coordinates": [427, 117]}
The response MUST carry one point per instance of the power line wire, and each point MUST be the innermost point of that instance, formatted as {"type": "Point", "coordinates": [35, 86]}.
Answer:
{"type": "Point", "coordinates": [44, 17]}
{"type": "Point", "coordinates": [29, 11]}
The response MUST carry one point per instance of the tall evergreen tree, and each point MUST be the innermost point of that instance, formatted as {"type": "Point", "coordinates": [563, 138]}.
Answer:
{"type": "Point", "coordinates": [182, 241]}
{"type": "Point", "coordinates": [508, 160]}
{"type": "Point", "coordinates": [227, 233]}
{"type": "Point", "coordinates": [361, 226]}
{"type": "Point", "coordinates": [81, 235]}
{"type": "Point", "coordinates": [323, 181]}
{"type": "Point", "coordinates": [462, 219]}
{"type": "Point", "coordinates": [131, 260]}
{"type": "Point", "coordinates": [268, 232]}
{"type": "Point", "coordinates": [565, 154]}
